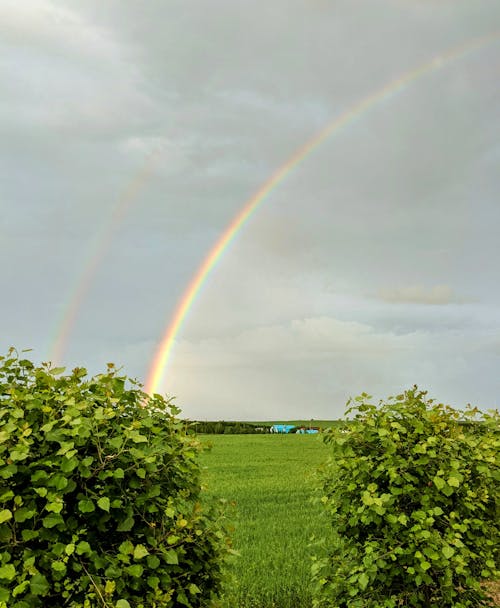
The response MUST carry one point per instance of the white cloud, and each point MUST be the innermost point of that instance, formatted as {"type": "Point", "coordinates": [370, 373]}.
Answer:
{"type": "Point", "coordinates": [65, 72]}
{"type": "Point", "coordinates": [418, 294]}
{"type": "Point", "coordinates": [56, 28]}
{"type": "Point", "coordinates": [159, 153]}
{"type": "Point", "coordinates": [312, 366]}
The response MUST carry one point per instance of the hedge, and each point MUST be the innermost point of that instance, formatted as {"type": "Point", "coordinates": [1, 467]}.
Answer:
{"type": "Point", "coordinates": [411, 492]}
{"type": "Point", "coordinates": [100, 495]}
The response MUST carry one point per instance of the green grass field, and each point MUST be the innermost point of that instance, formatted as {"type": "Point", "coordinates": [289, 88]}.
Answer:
{"type": "Point", "coordinates": [271, 480]}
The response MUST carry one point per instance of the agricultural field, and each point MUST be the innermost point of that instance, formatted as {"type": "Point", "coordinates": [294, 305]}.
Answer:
{"type": "Point", "coordinates": [271, 480]}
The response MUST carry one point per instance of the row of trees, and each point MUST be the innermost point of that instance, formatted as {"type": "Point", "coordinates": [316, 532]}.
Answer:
{"type": "Point", "coordinates": [222, 427]}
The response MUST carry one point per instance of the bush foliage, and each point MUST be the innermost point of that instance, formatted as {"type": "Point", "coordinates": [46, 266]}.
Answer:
{"type": "Point", "coordinates": [412, 493]}
{"type": "Point", "coordinates": [99, 495]}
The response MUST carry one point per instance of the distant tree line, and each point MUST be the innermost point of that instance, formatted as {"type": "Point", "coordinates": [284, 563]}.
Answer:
{"type": "Point", "coordinates": [228, 427]}
{"type": "Point", "coordinates": [222, 427]}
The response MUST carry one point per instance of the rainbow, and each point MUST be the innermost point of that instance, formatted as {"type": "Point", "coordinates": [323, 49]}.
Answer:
{"type": "Point", "coordinates": [164, 350]}
{"type": "Point", "coordinates": [96, 252]}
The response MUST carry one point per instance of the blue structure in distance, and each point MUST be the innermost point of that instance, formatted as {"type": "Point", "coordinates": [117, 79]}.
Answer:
{"type": "Point", "coordinates": [281, 428]}
{"type": "Point", "coordinates": [286, 428]}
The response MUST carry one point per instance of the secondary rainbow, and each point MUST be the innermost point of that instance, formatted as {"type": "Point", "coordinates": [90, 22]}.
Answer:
{"type": "Point", "coordinates": [164, 350]}
{"type": "Point", "coordinates": [98, 248]}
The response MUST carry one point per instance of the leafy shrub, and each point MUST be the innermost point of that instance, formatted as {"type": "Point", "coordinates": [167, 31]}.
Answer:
{"type": "Point", "coordinates": [99, 495]}
{"type": "Point", "coordinates": [412, 493]}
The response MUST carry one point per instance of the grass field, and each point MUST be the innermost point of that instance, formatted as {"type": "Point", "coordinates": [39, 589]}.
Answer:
{"type": "Point", "coordinates": [271, 480]}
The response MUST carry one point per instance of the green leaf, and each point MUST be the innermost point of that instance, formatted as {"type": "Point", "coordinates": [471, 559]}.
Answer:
{"type": "Point", "coordinates": [122, 604]}
{"type": "Point", "coordinates": [447, 551]}
{"type": "Point", "coordinates": [5, 515]}
{"type": "Point", "coordinates": [6, 495]}
{"type": "Point", "coordinates": [23, 513]}
{"type": "Point", "coordinates": [83, 547]}
{"type": "Point", "coordinates": [56, 371]}
{"type": "Point", "coordinates": [55, 507]}
{"type": "Point", "coordinates": [137, 437]}
{"type": "Point", "coordinates": [153, 562]}
{"type": "Point", "coordinates": [126, 525]}
{"type": "Point", "coordinates": [29, 534]}
{"type": "Point", "coordinates": [439, 482]}
{"type": "Point", "coordinates": [127, 548]}
{"type": "Point", "coordinates": [38, 476]}
{"type": "Point", "coordinates": [140, 551]}
{"type": "Point", "coordinates": [58, 566]}
{"type": "Point", "coordinates": [4, 595]}
{"type": "Point", "coordinates": [8, 471]}
{"type": "Point", "coordinates": [7, 572]}
{"type": "Point", "coordinates": [68, 464]}
{"type": "Point", "coordinates": [116, 442]}
{"type": "Point", "coordinates": [135, 570]}
{"type": "Point", "coordinates": [447, 490]}
{"type": "Point", "coordinates": [171, 557]}
{"type": "Point", "coordinates": [39, 585]}
{"type": "Point", "coordinates": [17, 455]}
{"type": "Point", "coordinates": [53, 519]}
{"type": "Point", "coordinates": [86, 506]}
{"type": "Point", "coordinates": [103, 503]}
{"type": "Point", "coordinates": [363, 580]}
{"type": "Point", "coordinates": [20, 588]}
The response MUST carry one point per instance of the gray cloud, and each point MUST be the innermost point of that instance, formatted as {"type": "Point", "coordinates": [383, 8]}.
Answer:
{"type": "Point", "coordinates": [188, 109]}
{"type": "Point", "coordinates": [289, 360]}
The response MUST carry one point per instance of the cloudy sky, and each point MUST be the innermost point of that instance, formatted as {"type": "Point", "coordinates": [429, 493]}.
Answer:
{"type": "Point", "coordinates": [131, 134]}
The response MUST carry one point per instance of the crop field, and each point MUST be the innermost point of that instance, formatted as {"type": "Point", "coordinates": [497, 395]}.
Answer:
{"type": "Point", "coordinates": [271, 480]}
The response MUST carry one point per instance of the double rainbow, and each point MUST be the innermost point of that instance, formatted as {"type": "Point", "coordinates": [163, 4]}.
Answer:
{"type": "Point", "coordinates": [102, 239]}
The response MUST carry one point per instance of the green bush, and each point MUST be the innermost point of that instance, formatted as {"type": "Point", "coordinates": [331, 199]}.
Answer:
{"type": "Point", "coordinates": [412, 493]}
{"type": "Point", "coordinates": [100, 495]}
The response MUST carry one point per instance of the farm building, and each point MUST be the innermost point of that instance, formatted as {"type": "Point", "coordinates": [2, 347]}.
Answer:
{"type": "Point", "coordinates": [281, 428]}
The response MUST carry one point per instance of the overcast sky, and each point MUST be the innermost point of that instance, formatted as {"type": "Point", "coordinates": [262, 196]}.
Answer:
{"type": "Point", "coordinates": [133, 132]}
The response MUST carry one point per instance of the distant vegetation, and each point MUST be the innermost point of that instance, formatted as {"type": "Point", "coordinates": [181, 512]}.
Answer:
{"type": "Point", "coordinates": [222, 427]}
